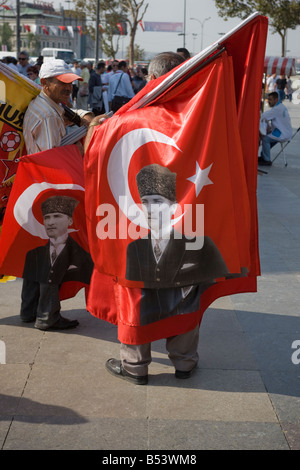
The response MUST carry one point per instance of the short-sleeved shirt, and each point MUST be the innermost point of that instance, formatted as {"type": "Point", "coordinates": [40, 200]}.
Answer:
{"type": "Point", "coordinates": [43, 126]}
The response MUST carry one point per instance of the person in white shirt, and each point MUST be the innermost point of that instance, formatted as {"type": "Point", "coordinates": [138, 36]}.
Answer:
{"type": "Point", "coordinates": [275, 126]}
{"type": "Point", "coordinates": [271, 82]}
{"type": "Point", "coordinates": [114, 68]}
{"type": "Point", "coordinates": [120, 85]}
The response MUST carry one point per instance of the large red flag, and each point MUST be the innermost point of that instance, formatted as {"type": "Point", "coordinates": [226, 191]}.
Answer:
{"type": "Point", "coordinates": [40, 176]}
{"type": "Point", "coordinates": [201, 131]}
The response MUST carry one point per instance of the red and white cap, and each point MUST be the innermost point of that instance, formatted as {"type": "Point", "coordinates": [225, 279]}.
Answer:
{"type": "Point", "coordinates": [59, 69]}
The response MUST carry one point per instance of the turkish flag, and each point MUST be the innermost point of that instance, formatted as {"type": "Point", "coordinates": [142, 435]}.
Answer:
{"type": "Point", "coordinates": [45, 29]}
{"type": "Point", "coordinates": [185, 134]}
{"type": "Point", "coordinates": [120, 28]}
{"type": "Point", "coordinates": [198, 126]}
{"type": "Point", "coordinates": [55, 172]}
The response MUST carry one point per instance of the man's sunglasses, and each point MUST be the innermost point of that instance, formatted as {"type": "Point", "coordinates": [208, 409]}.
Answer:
{"type": "Point", "coordinates": [22, 58]}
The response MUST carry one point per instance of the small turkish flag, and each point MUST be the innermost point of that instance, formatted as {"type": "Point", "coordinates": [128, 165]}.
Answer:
{"type": "Point", "coordinates": [58, 174]}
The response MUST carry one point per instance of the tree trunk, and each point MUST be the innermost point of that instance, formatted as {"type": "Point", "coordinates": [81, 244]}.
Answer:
{"type": "Point", "coordinates": [283, 34]}
{"type": "Point", "coordinates": [283, 45]}
{"type": "Point", "coordinates": [131, 45]}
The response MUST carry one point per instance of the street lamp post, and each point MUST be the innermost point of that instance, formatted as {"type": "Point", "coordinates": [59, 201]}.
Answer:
{"type": "Point", "coordinates": [97, 32]}
{"type": "Point", "coordinates": [202, 26]}
{"type": "Point", "coordinates": [194, 38]}
{"type": "Point", "coordinates": [18, 27]}
{"type": "Point", "coordinates": [184, 23]}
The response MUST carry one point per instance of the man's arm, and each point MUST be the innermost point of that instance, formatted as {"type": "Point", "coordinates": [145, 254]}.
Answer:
{"type": "Point", "coordinates": [97, 121]}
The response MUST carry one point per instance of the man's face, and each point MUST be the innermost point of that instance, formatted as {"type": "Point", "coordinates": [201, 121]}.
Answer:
{"type": "Point", "coordinates": [56, 224]}
{"type": "Point", "coordinates": [115, 66]}
{"type": "Point", "coordinates": [272, 101]}
{"type": "Point", "coordinates": [23, 60]}
{"type": "Point", "coordinates": [56, 90]}
{"type": "Point", "coordinates": [159, 212]}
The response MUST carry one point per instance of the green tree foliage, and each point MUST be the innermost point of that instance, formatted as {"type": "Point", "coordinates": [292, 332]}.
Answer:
{"type": "Point", "coordinates": [113, 12]}
{"type": "Point", "coordinates": [282, 14]}
{"type": "Point", "coordinates": [5, 36]}
{"type": "Point", "coordinates": [135, 13]}
{"type": "Point", "coordinates": [139, 53]}
{"type": "Point", "coordinates": [34, 44]}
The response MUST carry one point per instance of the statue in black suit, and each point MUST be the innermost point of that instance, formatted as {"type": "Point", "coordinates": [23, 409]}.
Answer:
{"type": "Point", "coordinates": [175, 269]}
{"type": "Point", "coordinates": [46, 267]}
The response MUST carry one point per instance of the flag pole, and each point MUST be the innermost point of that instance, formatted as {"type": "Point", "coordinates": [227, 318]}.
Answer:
{"type": "Point", "coordinates": [18, 26]}
{"type": "Point", "coordinates": [97, 33]}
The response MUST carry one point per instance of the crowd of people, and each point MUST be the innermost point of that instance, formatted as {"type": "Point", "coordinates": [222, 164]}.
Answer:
{"type": "Point", "coordinates": [280, 83]}
{"type": "Point", "coordinates": [98, 86]}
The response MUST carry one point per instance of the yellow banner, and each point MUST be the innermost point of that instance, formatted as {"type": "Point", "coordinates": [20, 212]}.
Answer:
{"type": "Point", "coordinates": [16, 92]}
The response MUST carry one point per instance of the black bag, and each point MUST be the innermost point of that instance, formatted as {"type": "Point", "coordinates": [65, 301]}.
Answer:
{"type": "Point", "coordinates": [96, 98]}
{"type": "Point", "coordinates": [118, 101]}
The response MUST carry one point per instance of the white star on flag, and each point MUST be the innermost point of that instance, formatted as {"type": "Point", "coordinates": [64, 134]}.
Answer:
{"type": "Point", "coordinates": [200, 178]}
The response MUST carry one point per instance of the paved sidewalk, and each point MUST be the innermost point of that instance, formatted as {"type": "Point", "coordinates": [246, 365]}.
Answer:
{"type": "Point", "coordinates": [55, 392]}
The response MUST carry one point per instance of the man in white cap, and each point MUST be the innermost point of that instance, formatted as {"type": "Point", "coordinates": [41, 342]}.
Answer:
{"type": "Point", "coordinates": [44, 121]}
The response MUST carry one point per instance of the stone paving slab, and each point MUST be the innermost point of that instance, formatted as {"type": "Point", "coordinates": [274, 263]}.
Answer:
{"type": "Point", "coordinates": [108, 434]}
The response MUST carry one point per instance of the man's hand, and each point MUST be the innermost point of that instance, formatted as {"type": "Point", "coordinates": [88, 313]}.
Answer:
{"type": "Point", "coordinates": [96, 121]}
{"type": "Point", "coordinates": [87, 119]}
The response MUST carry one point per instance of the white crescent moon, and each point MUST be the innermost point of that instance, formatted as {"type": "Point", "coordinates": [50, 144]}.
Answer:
{"type": "Point", "coordinates": [23, 207]}
{"type": "Point", "coordinates": [118, 166]}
